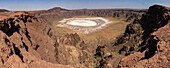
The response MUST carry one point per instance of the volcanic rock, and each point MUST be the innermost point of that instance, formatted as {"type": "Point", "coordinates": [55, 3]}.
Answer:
{"type": "Point", "coordinates": [153, 50]}
{"type": "Point", "coordinates": [28, 41]}
{"type": "Point", "coordinates": [24, 43]}
{"type": "Point", "coordinates": [50, 16]}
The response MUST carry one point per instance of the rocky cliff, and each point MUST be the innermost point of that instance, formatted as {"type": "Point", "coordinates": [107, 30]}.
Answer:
{"type": "Point", "coordinates": [25, 43]}
{"type": "Point", "coordinates": [149, 36]}
{"type": "Point", "coordinates": [52, 15]}
{"type": "Point", "coordinates": [28, 43]}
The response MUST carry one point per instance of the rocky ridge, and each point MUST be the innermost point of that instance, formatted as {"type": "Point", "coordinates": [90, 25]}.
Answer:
{"type": "Point", "coordinates": [49, 16]}
{"type": "Point", "coordinates": [23, 43]}
{"type": "Point", "coordinates": [150, 37]}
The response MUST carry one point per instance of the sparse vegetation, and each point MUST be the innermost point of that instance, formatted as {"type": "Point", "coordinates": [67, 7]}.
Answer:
{"type": "Point", "coordinates": [109, 32]}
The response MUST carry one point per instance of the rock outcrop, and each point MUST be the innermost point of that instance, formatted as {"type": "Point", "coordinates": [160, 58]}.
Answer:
{"type": "Point", "coordinates": [25, 43]}
{"type": "Point", "coordinates": [150, 37]}
{"type": "Point", "coordinates": [73, 51]}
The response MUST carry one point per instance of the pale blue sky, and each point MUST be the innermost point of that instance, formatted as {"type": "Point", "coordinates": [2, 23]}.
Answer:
{"type": "Point", "coordinates": [15, 5]}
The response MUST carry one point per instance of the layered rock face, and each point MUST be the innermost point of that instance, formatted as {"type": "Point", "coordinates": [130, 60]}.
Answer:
{"type": "Point", "coordinates": [150, 36]}
{"type": "Point", "coordinates": [25, 43]}
{"type": "Point", "coordinates": [51, 15]}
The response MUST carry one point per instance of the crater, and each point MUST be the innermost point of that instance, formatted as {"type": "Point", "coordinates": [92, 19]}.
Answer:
{"type": "Point", "coordinates": [84, 25]}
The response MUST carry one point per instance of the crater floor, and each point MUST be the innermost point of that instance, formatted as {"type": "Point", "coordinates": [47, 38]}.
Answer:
{"type": "Point", "coordinates": [84, 25]}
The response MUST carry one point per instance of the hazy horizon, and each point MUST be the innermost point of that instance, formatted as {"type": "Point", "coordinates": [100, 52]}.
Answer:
{"type": "Point", "coordinates": [29, 5]}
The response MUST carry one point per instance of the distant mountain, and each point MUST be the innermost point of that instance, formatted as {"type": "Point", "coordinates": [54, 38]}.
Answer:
{"type": "Point", "coordinates": [3, 10]}
{"type": "Point", "coordinates": [56, 9]}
